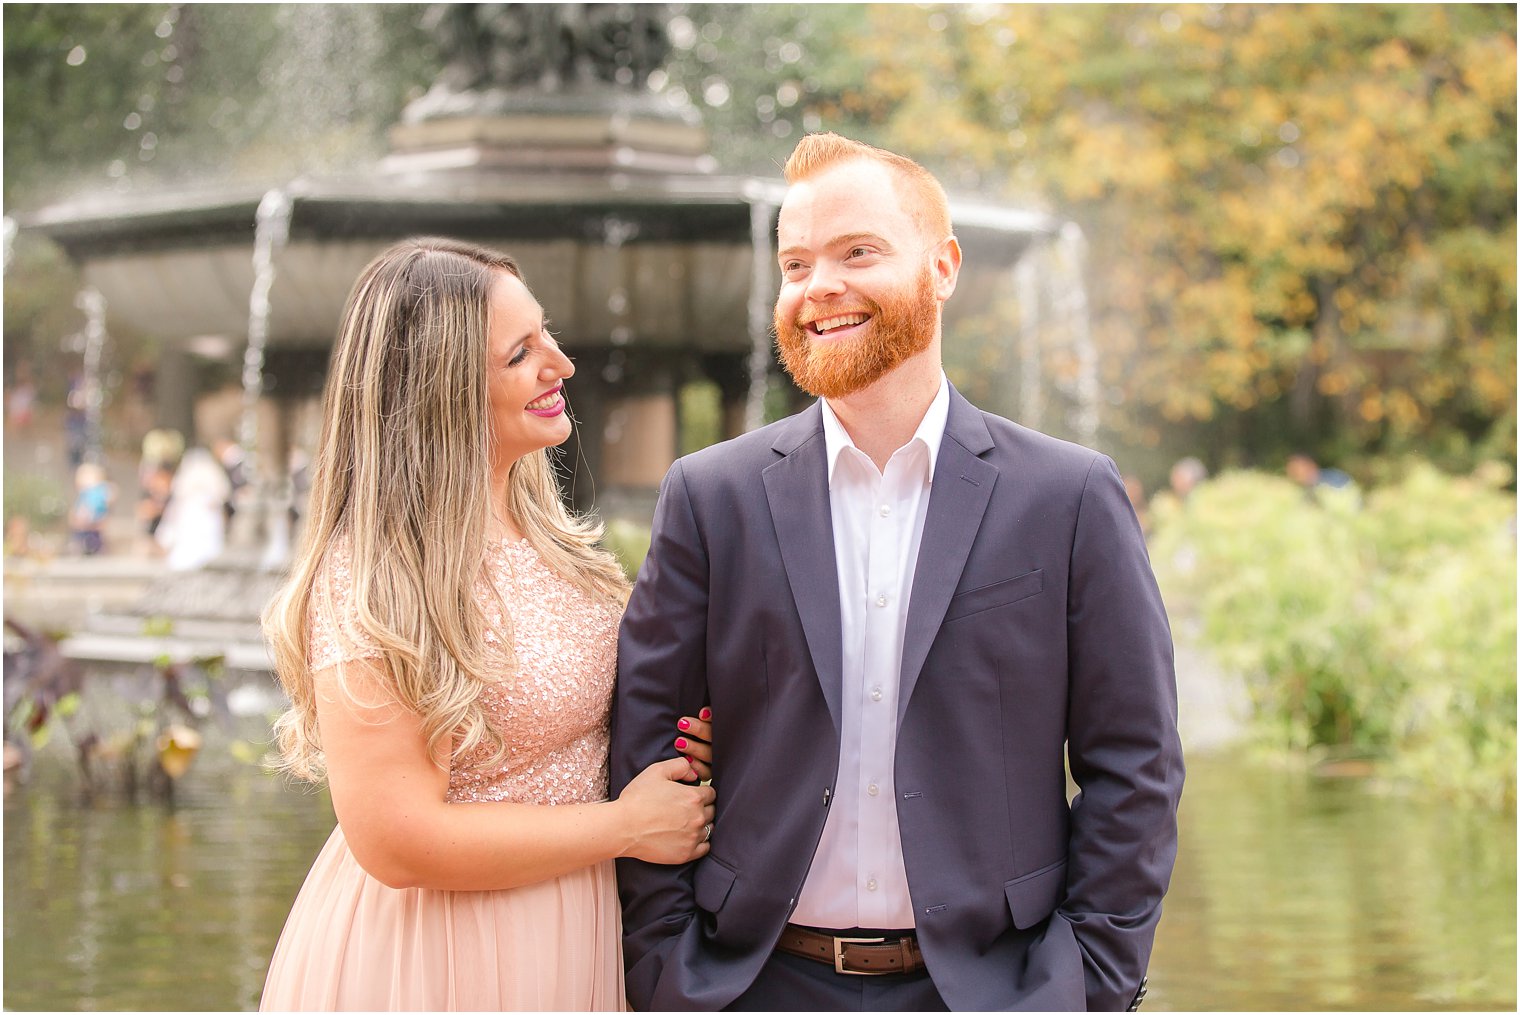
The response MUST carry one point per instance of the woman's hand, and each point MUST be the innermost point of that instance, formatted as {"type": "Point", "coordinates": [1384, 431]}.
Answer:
{"type": "Point", "coordinates": [695, 742]}
{"type": "Point", "coordinates": [390, 791]}
{"type": "Point", "coordinates": [668, 820]}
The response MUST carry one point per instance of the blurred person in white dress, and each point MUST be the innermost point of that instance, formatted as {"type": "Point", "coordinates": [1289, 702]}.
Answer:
{"type": "Point", "coordinates": [193, 528]}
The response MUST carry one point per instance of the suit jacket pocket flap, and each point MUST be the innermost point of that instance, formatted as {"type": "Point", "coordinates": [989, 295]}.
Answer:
{"type": "Point", "coordinates": [1034, 896]}
{"type": "Point", "coordinates": [712, 884]}
{"type": "Point", "coordinates": [990, 597]}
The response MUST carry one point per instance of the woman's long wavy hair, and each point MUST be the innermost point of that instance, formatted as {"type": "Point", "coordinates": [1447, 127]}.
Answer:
{"type": "Point", "coordinates": [402, 477]}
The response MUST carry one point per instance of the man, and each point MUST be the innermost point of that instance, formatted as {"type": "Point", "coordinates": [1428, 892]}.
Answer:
{"type": "Point", "coordinates": [1306, 472]}
{"type": "Point", "coordinates": [905, 614]}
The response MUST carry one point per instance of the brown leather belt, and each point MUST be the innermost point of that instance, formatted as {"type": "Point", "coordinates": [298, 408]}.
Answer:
{"type": "Point", "coordinates": [854, 956]}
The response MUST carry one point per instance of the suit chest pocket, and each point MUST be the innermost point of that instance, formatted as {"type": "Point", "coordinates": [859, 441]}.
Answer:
{"type": "Point", "coordinates": [990, 597]}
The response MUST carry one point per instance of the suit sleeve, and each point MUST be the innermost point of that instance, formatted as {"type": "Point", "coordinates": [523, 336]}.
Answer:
{"type": "Point", "coordinates": [662, 675]}
{"type": "Point", "coordinates": [1122, 744]}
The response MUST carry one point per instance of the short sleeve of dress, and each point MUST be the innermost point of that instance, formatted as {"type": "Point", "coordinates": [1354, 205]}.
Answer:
{"type": "Point", "coordinates": [332, 635]}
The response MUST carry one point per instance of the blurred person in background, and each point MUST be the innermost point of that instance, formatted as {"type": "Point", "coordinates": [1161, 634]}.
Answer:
{"type": "Point", "coordinates": [93, 496]}
{"type": "Point", "coordinates": [162, 450]}
{"type": "Point", "coordinates": [193, 527]}
{"type": "Point", "coordinates": [1307, 473]}
{"type": "Point", "coordinates": [299, 466]}
{"type": "Point", "coordinates": [230, 454]}
{"type": "Point", "coordinates": [76, 422]}
{"type": "Point", "coordinates": [1134, 489]}
{"type": "Point", "coordinates": [1185, 476]}
{"type": "Point", "coordinates": [21, 400]}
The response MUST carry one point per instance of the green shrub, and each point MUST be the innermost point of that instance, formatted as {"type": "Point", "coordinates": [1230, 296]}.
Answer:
{"type": "Point", "coordinates": [629, 543]}
{"type": "Point", "coordinates": [39, 500]}
{"type": "Point", "coordinates": [1382, 628]}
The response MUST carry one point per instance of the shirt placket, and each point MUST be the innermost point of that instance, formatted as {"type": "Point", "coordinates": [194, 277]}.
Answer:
{"type": "Point", "coordinates": [879, 698]}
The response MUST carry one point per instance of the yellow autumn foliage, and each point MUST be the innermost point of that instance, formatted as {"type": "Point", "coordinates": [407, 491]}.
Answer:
{"type": "Point", "coordinates": [1279, 200]}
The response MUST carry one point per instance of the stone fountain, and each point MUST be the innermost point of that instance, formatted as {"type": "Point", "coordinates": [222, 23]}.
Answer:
{"type": "Point", "coordinates": [541, 137]}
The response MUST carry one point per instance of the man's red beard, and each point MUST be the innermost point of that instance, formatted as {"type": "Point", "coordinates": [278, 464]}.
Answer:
{"type": "Point", "coordinates": [902, 327]}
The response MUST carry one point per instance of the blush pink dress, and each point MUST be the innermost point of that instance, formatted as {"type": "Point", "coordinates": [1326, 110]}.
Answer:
{"type": "Point", "coordinates": [354, 944]}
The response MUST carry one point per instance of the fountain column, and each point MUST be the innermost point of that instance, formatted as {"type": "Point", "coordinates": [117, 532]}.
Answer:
{"type": "Point", "coordinates": [266, 498]}
{"type": "Point", "coordinates": [175, 379]}
{"type": "Point", "coordinates": [762, 293]}
{"type": "Point", "coordinates": [1073, 247]}
{"type": "Point", "coordinates": [1026, 288]}
{"type": "Point", "coordinates": [581, 465]}
{"type": "Point", "coordinates": [641, 438]}
{"type": "Point", "coordinates": [731, 373]}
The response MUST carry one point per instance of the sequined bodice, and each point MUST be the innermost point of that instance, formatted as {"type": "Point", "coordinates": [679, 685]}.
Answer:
{"type": "Point", "coordinates": [552, 708]}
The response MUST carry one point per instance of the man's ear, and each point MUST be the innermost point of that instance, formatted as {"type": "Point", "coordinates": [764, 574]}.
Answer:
{"type": "Point", "coordinates": [946, 267]}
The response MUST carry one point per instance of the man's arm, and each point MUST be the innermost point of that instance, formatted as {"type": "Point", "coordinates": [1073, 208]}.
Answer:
{"type": "Point", "coordinates": [1122, 744]}
{"type": "Point", "coordinates": [662, 675]}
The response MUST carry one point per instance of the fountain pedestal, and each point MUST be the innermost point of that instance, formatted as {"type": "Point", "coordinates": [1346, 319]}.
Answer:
{"type": "Point", "coordinates": [548, 141]}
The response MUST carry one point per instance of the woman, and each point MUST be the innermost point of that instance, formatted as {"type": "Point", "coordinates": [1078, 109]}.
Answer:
{"type": "Point", "coordinates": [193, 529]}
{"type": "Point", "coordinates": [448, 639]}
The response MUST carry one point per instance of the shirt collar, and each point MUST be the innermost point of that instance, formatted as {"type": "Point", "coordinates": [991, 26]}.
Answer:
{"type": "Point", "coordinates": [930, 432]}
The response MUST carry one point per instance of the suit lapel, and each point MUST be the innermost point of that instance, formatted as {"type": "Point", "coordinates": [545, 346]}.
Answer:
{"type": "Point", "coordinates": [962, 488]}
{"type": "Point", "coordinates": [796, 486]}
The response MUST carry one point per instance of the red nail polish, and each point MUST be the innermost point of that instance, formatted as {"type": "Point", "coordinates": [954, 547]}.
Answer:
{"type": "Point", "coordinates": [681, 744]}
{"type": "Point", "coordinates": [705, 714]}
{"type": "Point", "coordinates": [682, 724]}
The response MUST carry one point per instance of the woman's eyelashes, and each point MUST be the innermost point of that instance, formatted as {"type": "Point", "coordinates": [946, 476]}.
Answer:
{"type": "Point", "coordinates": [544, 335]}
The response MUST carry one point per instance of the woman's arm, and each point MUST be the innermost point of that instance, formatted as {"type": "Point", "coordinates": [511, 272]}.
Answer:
{"type": "Point", "coordinates": [391, 799]}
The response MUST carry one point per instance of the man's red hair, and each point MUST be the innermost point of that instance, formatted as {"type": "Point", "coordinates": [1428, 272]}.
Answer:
{"type": "Point", "coordinates": [917, 187]}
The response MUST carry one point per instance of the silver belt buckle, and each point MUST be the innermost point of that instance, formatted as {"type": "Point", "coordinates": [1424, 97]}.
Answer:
{"type": "Point", "coordinates": [840, 942]}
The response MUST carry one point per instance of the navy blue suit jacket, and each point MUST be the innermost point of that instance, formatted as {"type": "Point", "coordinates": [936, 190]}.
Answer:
{"type": "Point", "coordinates": [1035, 635]}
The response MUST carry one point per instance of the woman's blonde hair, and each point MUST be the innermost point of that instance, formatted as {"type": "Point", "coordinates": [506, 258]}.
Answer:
{"type": "Point", "coordinates": [402, 478]}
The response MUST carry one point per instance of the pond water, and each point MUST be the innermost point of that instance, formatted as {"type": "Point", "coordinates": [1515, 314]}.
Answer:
{"type": "Point", "coordinates": [1290, 893]}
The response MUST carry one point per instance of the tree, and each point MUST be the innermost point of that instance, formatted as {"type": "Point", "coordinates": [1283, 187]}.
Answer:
{"type": "Point", "coordinates": [116, 96]}
{"type": "Point", "coordinates": [1302, 218]}
{"type": "Point", "coordinates": [74, 74]}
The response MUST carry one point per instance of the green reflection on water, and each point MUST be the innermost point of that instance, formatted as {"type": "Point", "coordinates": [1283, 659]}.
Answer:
{"type": "Point", "coordinates": [148, 907]}
{"type": "Point", "coordinates": [1290, 893]}
{"type": "Point", "coordinates": [1295, 893]}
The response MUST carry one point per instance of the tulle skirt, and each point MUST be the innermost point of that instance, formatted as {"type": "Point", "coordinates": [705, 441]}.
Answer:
{"type": "Point", "coordinates": [353, 944]}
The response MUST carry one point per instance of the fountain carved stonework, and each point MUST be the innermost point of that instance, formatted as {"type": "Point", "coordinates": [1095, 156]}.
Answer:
{"type": "Point", "coordinates": [548, 86]}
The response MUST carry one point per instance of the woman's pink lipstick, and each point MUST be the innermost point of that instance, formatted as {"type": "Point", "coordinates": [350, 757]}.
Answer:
{"type": "Point", "coordinates": [550, 403]}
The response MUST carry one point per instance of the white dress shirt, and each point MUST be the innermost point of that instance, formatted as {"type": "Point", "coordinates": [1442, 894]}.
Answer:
{"type": "Point", "coordinates": [857, 877]}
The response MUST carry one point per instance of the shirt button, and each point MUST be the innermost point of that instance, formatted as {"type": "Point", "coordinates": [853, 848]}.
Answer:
{"type": "Point", "coordinates": [876, 693]}
{"type": "Point", "coordinates": [880, 600]}
{"type": "Point", "coordinates": [872, 790]}
{"type": "Point", "coordinates": [885, 510]}
{"type": "Point", "coordinates": [871, 885]}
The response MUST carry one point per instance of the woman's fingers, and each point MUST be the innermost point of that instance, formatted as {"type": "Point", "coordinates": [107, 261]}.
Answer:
{"type": "Point", "coordinates": [701, 771]}
{"type": "Point", "coordinates": [695, 727]}
{"type": "Point", "coordinates": [697, 733]}
{"type": "Point", "coordinates": [695, 742]}
{"type": "Point", "coordinates": [704, 843]}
